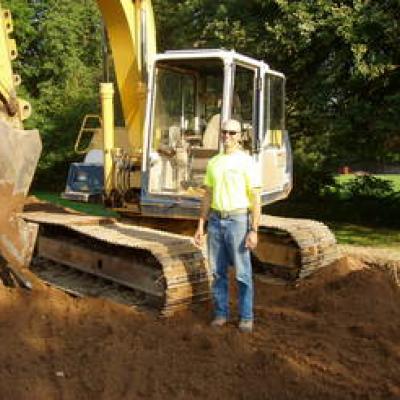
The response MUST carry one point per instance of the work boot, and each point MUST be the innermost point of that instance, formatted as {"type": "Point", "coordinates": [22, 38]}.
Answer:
{"type": "Point", "coordinates": [217, 322]}
{"type": "Point", "coordinates": [246, 326]}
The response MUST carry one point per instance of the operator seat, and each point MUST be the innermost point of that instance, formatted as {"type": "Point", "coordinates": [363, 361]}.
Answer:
{"type": "Point", "coordinates": [211, 134]}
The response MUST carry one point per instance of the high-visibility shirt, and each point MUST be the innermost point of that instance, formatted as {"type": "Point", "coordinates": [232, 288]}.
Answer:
{"type": "Point", "coordinates": [232, 178]}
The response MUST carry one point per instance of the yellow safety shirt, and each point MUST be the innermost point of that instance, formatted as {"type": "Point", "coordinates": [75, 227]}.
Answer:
{"type": "Point", "coordinates": [231, 177]}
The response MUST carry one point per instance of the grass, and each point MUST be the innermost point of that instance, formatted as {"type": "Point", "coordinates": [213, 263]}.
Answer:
{"type": "Point", "coordinates": [87, 208]}
{"type": "Point", "coordinates": [365, 236]}
{"type": "Point", "coordinates": [345, 233]}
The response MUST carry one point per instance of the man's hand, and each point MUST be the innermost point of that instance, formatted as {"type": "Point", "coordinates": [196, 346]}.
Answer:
{"type": "Point", "coordinates": [199, 237]}
{"type": "Point", "coordinates": [204, 209]}
{"type": "Point", "coordinates": [251, 240]}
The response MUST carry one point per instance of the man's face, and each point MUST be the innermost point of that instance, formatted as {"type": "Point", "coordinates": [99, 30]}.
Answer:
{"type": "Point", "coordinates": [230, 139]}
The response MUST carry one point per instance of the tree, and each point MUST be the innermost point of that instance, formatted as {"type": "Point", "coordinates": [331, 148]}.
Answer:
{"type": "Point", "coordinates": [341, 59]}
{"type": "Point", "coordinates": [61, 64]}
{"type": "Point", "coordinates": [347, 52]}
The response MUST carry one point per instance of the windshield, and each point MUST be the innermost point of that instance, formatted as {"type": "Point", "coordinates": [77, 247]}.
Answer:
{"type": "Point", "coordinates": [186, 124]}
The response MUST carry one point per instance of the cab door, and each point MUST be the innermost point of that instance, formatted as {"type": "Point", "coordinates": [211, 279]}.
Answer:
{"type": "Point", "coordinates": [275, 153]}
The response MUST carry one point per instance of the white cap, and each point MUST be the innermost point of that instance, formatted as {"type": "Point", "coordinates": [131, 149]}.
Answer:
{"type": "Point", "coordinates": [231, 125]}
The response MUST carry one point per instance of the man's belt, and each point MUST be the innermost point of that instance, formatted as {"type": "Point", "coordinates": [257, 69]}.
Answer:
{"type": "Point", "coordinates": [231, 213]}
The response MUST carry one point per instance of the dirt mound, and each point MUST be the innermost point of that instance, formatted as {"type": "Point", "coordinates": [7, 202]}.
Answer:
{"type": "Point", "coordinates": [334, 336]}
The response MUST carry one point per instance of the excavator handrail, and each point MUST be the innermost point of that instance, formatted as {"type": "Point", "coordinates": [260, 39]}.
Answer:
{"type": "Point", "coordinates": [84, 129]}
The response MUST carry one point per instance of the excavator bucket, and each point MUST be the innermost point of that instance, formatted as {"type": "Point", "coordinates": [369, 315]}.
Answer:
{"type": "Point", "coordinates": [19, 154]}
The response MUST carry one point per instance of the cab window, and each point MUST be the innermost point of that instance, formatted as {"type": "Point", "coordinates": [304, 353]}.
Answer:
{"type": "Point", "coordinates": [274, 111]}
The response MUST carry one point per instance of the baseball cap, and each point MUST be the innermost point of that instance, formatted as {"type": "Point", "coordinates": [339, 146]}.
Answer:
{"type": "Point", "coordinates": [231, 125]}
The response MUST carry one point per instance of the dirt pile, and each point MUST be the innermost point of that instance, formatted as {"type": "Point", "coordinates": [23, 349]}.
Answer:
{"type": "Point", "coordinates": [334, 336]}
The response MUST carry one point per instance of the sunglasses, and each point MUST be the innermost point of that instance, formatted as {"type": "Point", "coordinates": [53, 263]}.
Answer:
{"type": "Point", "coordinates": [232, 133]}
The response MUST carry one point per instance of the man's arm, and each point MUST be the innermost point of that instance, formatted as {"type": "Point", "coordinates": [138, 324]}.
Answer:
{"type": "Point", "coordinates": [255, 209]}
{"type": "Point", "coordinates": [204, 210]}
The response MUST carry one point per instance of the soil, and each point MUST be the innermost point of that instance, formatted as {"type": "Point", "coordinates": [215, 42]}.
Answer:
{"type": "Point", "coordinates": [333, 336]}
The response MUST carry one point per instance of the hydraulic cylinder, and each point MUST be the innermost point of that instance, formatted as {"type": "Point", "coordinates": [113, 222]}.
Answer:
{"type": "Point", "coordinates": [107, 107]}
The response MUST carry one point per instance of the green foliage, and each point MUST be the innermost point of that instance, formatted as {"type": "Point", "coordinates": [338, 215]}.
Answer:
{"type": "Point", "coordinates": [392, 179]}
{"type": "Point", "coordinates": [368, 186]}
{"type": "Point", "coordinates": [367, 199]}
{"type": "Point", "coordinates": [59, 60]}
{"type": "Point", "coordinates": [343, 72]}
{"type": "Point", "coordinates": [313, 168]}
{"type": "Point", "coordinates": [340, 58]}
{"type": "Point", "coordinates": [370, 199]}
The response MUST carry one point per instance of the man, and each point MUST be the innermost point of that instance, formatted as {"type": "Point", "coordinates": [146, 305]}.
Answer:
{"type": "Point", "coordinates": [232, 206]}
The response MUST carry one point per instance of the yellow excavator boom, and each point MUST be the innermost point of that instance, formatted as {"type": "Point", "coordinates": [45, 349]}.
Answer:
{"type": "Point", "coordinates": [132, 35]}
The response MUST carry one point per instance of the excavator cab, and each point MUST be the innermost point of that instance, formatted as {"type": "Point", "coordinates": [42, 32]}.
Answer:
{"type": "Point", "coordinates": [190, 94]}
{"type": "Point", "coordinates": [160, 172]}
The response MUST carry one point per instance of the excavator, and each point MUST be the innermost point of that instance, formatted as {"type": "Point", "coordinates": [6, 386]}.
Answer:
{"type": "Point", "coordinates": [173, 105]}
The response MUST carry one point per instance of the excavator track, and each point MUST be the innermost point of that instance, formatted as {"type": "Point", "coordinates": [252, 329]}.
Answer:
{"type": "Point", "coordinates": [167, 267]}
{"type": "Point", "coordinates": [294, 248]}
{"type": "Point", "coordinates": [80, 284]}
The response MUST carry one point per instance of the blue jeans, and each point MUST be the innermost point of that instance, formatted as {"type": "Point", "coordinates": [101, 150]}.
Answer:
{"type": "Point", "coordinates": [226, 247]}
